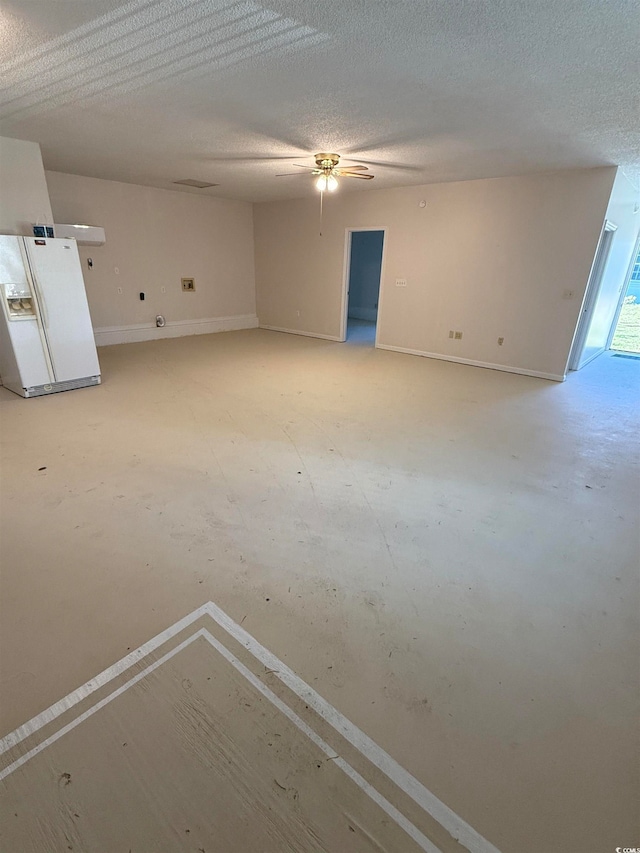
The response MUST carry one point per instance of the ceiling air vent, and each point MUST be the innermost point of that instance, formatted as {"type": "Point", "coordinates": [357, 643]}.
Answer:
{"type": "Point", "coordinates": [201, 185]}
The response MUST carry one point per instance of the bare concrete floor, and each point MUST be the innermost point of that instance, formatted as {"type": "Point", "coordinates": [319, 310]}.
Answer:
{"type": "Point", "coordinates": [449, 555]}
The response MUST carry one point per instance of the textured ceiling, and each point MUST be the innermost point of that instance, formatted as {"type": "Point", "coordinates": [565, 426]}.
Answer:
{"type": "Point", "coordinates": [153, 91]}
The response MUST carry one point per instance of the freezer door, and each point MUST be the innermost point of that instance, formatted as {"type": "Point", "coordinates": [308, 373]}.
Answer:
{"type": "Point", "coordinates": [15, 288]}
{"type": "Point", "coordinates": [12, 272]}
{"type": "Point", "coordinates": [23, 361]}
{"type": "Point", "coordinates": [23, 350]}
{"type": "Point", "coordinates": [59, 286]}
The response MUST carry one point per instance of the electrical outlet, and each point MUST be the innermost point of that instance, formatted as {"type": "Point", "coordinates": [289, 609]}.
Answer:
{"type": "Point", "coordinates": [188, 284]}
{"type": "Point", "coordinates": [500, 341]}
{"type": "Point", "coordinates": [401, 282]}
{"type": "Point", "coordinates": [451, 333]}
{"type": "Point", "coordinates": [458, 336]}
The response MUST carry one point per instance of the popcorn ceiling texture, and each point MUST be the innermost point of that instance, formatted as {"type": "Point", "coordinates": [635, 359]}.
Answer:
{"type": "Point", "coordinates": [154, 91]}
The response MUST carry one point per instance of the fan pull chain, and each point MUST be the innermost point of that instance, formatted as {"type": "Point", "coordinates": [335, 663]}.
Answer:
{"type": "Point", "coordinates": [321, 197]}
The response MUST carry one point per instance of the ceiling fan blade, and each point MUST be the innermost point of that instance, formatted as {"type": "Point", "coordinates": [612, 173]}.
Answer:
{"type": "Point", "coordinates": [249, 158]}
{"type": "Point", "coordinates": [357, 166]}
{"type": "Point", "coordinates": [292, 175]}
{"type": "Point", "coordinates": [401, 166]}
{"type": "Point", "coordinates": [357, 175]}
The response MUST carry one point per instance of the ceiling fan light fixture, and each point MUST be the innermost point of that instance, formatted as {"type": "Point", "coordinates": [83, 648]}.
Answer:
{"type": "Point", "coordinates": [327, 183]}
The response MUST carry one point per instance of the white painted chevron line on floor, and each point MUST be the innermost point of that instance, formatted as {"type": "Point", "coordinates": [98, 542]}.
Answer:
{"type": "Point", "coordinates": [449, 820]}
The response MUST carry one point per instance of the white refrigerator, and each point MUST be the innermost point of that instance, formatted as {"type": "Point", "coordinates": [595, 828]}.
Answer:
{"type": "Point", "coordinates": [46, 337]}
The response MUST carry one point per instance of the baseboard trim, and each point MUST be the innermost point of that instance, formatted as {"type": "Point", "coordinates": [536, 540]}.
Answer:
{"type": "Point", "coordinates": [298, 332]}
{"type": "Point", "coordinates": [555, 377]}
{"type": "Point", "coordinates": [108, 335]}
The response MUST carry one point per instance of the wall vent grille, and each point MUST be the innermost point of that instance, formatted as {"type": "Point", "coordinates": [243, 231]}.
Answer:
{"type": "Point", "coordinates": [68, 385]}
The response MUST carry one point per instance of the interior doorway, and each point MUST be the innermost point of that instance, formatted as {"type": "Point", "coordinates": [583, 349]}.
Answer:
{"type": "Point", "coordinates": [364, 252]}
{"type": "Point", "coordinates": [590, 339]}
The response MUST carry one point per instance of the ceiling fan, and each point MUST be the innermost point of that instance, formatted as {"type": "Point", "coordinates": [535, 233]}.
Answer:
{"type": "Point", "coordinates": [328, 172]}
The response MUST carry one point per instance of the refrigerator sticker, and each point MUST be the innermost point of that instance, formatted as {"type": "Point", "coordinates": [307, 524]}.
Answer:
{"type": "Point", "coordinates": [40, 242]}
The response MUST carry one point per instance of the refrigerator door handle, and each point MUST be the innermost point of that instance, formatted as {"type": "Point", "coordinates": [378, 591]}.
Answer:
{"type": "Point", "coordinates": [41, 309]}
{"type": "Point", "coordinates": [42, 305]}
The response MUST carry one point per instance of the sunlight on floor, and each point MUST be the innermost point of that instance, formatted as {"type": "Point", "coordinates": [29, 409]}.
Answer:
{"type": "Point", "coordinates": [627, 336]}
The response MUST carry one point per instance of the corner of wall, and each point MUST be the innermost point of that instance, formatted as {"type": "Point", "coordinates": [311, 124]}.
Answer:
{"type": "Point", "coordinates": [24, 195]}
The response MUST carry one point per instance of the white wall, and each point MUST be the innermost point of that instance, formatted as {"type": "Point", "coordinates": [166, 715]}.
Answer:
{"type": "Point", "coordinates": [154, 238]}
{"type": "Point", "coordinates": [491, 258]}
{"type": "Point", "coordinates": [23, 189]}
{"type": "Point", "coordinates": [620, 211]}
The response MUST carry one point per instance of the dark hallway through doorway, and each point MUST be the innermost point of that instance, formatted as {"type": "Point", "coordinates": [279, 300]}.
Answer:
{"type": "Point", "coordinates": [365, 267]}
